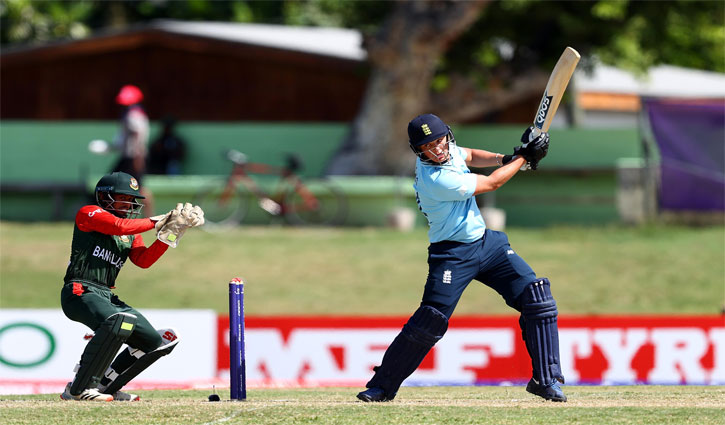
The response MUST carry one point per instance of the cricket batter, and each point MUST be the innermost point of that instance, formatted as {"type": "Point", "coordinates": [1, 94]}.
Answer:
{"type": "Point", "coordinates": [462, 249]}
{"type": "Point", "coordinates": [105, 236]}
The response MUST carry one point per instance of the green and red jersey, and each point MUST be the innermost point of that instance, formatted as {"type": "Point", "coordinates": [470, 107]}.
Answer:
{"type": "Point", "coordinates": [103, 242]}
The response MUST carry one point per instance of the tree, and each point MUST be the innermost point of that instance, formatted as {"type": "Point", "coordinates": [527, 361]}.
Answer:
{"type": "Point", "coordinates": [25, 21]}
{"type": "Point", "coordinates": [462, 60]}
{"type": "Point", "coordinates": [404, 55]}
{"type": "Point", "coordinates": [459, 59]}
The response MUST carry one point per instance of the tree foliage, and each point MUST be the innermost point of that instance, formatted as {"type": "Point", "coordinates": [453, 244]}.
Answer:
{"type": "Point", "coordinates": [25, 21]}
{"type": "Point", "coordinates": [633, 35]}
{"type": "Point", "coordinates": [629, 34]}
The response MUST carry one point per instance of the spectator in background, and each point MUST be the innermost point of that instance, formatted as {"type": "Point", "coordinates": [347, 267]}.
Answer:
{"type": "Point", "coordinates": [167, 151]}
{"type": "Point", "coordinates": [132, 139]}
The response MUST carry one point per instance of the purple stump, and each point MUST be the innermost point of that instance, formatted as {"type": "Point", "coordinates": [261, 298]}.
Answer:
{"type": "Point", "coordinates": [237, 361]}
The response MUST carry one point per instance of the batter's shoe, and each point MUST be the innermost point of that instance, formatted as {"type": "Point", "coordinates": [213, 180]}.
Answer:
{"type": "Point", "coordinates": [122, 396]}
{"type": "Point", "coordinates": [374, 394]}
{"type": "Point", "coordinates": [91, 394]}
{"type": "Point", "coordinates": [551, 391]}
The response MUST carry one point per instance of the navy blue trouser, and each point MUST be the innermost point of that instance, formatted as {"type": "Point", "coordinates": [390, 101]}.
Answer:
{"type": "Point", "coordinates": [490, 260]}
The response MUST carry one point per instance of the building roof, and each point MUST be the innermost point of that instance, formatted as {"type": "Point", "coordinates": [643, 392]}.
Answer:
{"type": "Point", "coordinates": [338, 42]}
{"type": "Point", "coordinates": [334, 43]}
{"type": "Point", "coordinates": [192, 70]}
{"type": "Point", "coordinates": [660, 81]}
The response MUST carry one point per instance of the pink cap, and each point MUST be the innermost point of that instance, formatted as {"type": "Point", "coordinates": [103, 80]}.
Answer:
{"type": "Point", "coordinates": [129, 95]}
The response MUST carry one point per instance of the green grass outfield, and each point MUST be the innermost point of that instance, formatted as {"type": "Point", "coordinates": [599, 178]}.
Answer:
{"type": "Point", "coordinates": [655, 405]}
{"type": "Point", "coordinates": [302, 271]}
{"type": "Point", "coordinates": [600, 270]}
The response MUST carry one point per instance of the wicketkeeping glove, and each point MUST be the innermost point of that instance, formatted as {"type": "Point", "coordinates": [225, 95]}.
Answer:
{"type": "Point", "coordinates": [174, 227]}
{"type": "Point", "coordinates": [194, 215]}
{"type": "Point", "coordinates": [181, 218]}
{"type": "Point", "coordinates": [160, 220]}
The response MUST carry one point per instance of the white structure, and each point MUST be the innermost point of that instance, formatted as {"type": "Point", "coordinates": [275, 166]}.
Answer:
{"type": "Point", "coordinates": [338, 42]}
{"type": "Point", "coordinates": [611, 97]}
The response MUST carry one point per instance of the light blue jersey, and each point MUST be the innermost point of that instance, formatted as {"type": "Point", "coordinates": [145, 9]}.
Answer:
{"type": "Point", "coordinates": [445, 196]}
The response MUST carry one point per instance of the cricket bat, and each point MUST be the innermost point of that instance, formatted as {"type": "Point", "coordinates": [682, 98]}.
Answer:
{"type": "Point", "coordinates": [555, 89]}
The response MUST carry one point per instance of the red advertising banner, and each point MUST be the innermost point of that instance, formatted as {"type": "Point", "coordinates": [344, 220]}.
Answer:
{"type": "Point", "coordinates": [312, 351]}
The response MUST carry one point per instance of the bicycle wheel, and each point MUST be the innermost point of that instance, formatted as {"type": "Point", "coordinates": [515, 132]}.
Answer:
{"type": "Point", "coordinates": [219, 210]}
{"type": "Point", "coordinates": [326, 205]}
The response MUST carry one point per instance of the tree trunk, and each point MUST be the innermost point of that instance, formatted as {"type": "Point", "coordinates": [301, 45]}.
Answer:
{"type": "Point", "coordinates": [403, 55]}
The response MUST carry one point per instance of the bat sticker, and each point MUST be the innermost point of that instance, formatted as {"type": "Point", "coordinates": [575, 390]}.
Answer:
{"type": "Point", "coordinates": [543, 110]}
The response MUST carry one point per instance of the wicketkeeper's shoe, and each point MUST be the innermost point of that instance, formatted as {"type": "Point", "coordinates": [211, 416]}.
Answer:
{"type": "Point", "coordinates": [91, 394]}
{"type": "Point", "coordinates": [373, 395]}
{"type": "Point", "coordinates": [122, 396]}
{"type": "Point", "coordinates": [551, 391]}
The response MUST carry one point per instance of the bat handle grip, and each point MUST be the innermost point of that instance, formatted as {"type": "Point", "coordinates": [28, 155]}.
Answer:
{"type": "Point", "coordinates": [534, 133]}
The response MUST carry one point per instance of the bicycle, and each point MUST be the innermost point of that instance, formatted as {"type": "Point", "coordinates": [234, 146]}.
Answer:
{"type": "Point", "coordinates": [297, 201]}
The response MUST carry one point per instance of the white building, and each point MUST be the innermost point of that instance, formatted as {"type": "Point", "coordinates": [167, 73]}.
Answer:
{"type": "Point", "coordinates": [611, 97]}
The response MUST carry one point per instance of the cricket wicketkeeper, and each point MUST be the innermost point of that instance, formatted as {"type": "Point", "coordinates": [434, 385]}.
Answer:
{"type": "Point", "coordinates": [104, 237]}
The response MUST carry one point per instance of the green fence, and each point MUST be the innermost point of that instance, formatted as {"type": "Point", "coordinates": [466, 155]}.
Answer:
{"type": "Point", "coordinates": [32, 151]}
{"type": "Point", "coordinates": [45, 166]}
